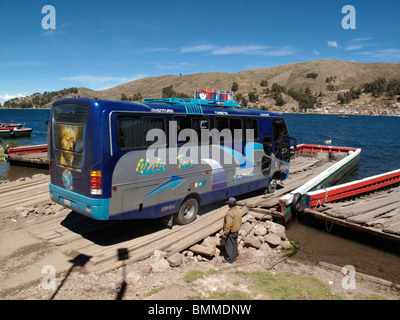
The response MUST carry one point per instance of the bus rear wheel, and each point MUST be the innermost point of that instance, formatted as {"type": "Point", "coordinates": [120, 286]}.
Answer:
{"type": "Point", "coordinates": [187, 211]}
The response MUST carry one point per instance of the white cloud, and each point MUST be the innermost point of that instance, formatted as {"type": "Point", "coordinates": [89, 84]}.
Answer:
{"type": "Point", "coordinates": [357, 43]}
{"type": "Point", "coordinates": [333, 44]}
{"type": "Point", "coordinates": [361, 39]}
{"type": "Point", "coordinates": [241, 49]}
{"type": "Point", "coordinates": [386, 54]}
{"type": "Point", "coordinates": [57, 31]}
{"type": "Point", "coordinates": [6, 97]}
{"type": "Point", "coordinates": [159, 49]}
{"type": "Point", "coordinates": [247, 50]}
{"type": "Point", "coordinates": [198, 48]}
{"type": "Point", "coordinates": [279, 52]}
{"type": "Point", "coordinates": [100, 82]}
{"type": "Point", "coordinates": [354, 47]}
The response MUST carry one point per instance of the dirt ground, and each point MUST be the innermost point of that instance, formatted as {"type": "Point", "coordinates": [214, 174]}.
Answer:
{"type": "Point", "coordinates": [33, 269]}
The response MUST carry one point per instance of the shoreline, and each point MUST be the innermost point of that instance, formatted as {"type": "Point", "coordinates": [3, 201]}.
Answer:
{"type": "Point", "coordinates": [279, 112]}
{"type": "Point", "coordinates": [191, 276]}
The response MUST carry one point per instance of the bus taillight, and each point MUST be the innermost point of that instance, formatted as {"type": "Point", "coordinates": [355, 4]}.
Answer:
{"type": "Point", "coordinates": [95, 182]}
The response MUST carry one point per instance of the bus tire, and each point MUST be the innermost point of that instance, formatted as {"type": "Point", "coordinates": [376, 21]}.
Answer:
{"type": "Point", "coordinates": [187, 211]}
{"type": "Point", "coordinates": [272, 185]}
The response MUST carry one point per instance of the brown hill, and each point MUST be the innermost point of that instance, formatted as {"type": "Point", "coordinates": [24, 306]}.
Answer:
{"type": "Point", "coordinates": [343, 75]}
{"type": "Point", "coordinates": [294, 75]}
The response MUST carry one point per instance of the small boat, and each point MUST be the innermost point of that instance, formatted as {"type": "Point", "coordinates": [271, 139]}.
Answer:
{"type": "Point", "coordinates": [14, 130]}
{"type": "Point", "coordinates": [341, 117]}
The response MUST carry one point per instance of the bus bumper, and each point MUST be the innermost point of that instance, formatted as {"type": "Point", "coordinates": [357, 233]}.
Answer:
{"type": "Point", "coordinates": [95, 208]}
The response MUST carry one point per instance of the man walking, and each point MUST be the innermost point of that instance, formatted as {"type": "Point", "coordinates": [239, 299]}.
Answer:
{"type": "Point", "coordinates": [232, 225]}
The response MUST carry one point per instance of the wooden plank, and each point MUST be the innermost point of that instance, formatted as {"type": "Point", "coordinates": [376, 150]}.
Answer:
{"type": "Point", "coordinates": [363, 218]}
{"type": "Point", "coordinates": [363, 207]}
{"type": "Point", "coordinates": [198, 236]}
{"type": "Point", "coordinates": [34, 187]}
{"type": "Point", "coordinates": [354, 226]}
{"type": "Point", "coordinates": [307, 164]}
{"type": "Point", "coordinates": [384, 218]}
{"type": "Point", "coordinates": [260, 216]}
{"type": "Point", "coordinates": [390, 221]}
{"type": "Point", "coordinates": [175, 240]}
{"type": "Point", "coordinates": [26, 202]}
{"type": "Point", "coordinates": [393, 228]}
{"type": "Point", "coordinates": [10, 187]}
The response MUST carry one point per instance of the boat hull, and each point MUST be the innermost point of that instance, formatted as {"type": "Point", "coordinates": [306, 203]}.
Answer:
{"type": "Point", "coordinates": [15, 133]}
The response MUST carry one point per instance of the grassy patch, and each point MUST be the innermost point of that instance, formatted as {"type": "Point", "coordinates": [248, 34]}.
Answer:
{"type": "Point", "coordinates": [154, 291]}
{"type": "Point", "coordinates": [294, 246]}
{"type": "Point", "coordinates": [193, 275]}
{"type": "Point", "coordinates": [288, 286]}
{"type": "Point", "coordinates": [213, 271]}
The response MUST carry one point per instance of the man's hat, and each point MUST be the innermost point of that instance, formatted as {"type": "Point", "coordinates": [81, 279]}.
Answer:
{"type": "Point", "coordinates": [231, 201]}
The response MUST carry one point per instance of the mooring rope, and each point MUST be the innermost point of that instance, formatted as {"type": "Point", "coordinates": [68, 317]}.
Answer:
{"type": "Point", "coordinates": [326, 224]}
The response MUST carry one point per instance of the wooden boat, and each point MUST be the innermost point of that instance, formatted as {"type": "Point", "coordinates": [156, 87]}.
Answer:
{"type": "Point", "coordinates": [27, 156]}
{"type": "Point", "coordinates": [14, 130]}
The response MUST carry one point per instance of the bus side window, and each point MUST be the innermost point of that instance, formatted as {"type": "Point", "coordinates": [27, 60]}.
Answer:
{"type": "Point", "coordinates": [234, 125]}
{"type": "Point", "coordinates": [148, 124]}
{"type": "Point", "coordinates": [199, 124]}
{"type": "Point", "coordinates": [181, 124]}
{"type": "Point", "coordinates": [129, 132]}
{"type": "Point", "coordinates": [132, 131]}
{"type": "Point", "coordinates": [220, 125]}
{"type": "Point", "coordinates": [236, 128]}
{"type": "Point", "coordinates": [252, 124]}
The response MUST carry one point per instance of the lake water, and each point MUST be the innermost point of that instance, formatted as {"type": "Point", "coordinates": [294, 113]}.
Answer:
{"type": "Point", "coordinates": [379, 139]}
{"type": "Point", "coordinates": [31, 118]}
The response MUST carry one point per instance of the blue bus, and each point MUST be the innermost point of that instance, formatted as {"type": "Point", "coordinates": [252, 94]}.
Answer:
{"type": "Point", "coordinates": [162, 157]}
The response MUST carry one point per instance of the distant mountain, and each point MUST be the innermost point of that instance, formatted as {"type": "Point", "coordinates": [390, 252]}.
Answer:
{"type": "Point", "coordinates": [325, 78]}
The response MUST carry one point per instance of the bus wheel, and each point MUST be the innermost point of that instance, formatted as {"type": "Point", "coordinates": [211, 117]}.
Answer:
{"type": "Point", "coordinates": [187, 211]}
{"type": "Point", "coordinates": [272, 186]}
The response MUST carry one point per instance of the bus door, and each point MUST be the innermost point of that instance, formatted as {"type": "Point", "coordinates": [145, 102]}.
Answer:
{"type": "Point", "coordinates": [276, 144]}
{"type": "Point", "coordinates": [281, 142]}
{"type": "Point", "coordinates": [267, 157]}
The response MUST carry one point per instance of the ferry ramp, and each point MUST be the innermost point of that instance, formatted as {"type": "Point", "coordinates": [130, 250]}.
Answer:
{"type": "Point", "coordinates": [102, 240]}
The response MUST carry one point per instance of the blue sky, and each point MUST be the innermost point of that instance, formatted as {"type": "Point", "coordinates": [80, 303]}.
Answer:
{"type": "Point", "coordinates": [101, 44]}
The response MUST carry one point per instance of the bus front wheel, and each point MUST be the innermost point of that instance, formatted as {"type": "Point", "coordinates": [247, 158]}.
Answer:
{"type": "Point", "coordinates": [187, 211]}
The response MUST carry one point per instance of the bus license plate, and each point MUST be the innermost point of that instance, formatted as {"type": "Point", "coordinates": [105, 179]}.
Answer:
{"type": "Point", "coordinates": [67, 202]}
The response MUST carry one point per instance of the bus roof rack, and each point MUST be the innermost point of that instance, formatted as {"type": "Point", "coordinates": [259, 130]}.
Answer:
{"type": "Point", "coordinates": [198, 102]}
{"type": "Point", "coordinates": [203, 97]}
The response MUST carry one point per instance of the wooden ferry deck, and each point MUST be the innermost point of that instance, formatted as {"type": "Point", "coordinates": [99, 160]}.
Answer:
{"type": "Point", "coordinates": [377, 214]}
{"type": "Point", "coordinates": [101, 240]}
